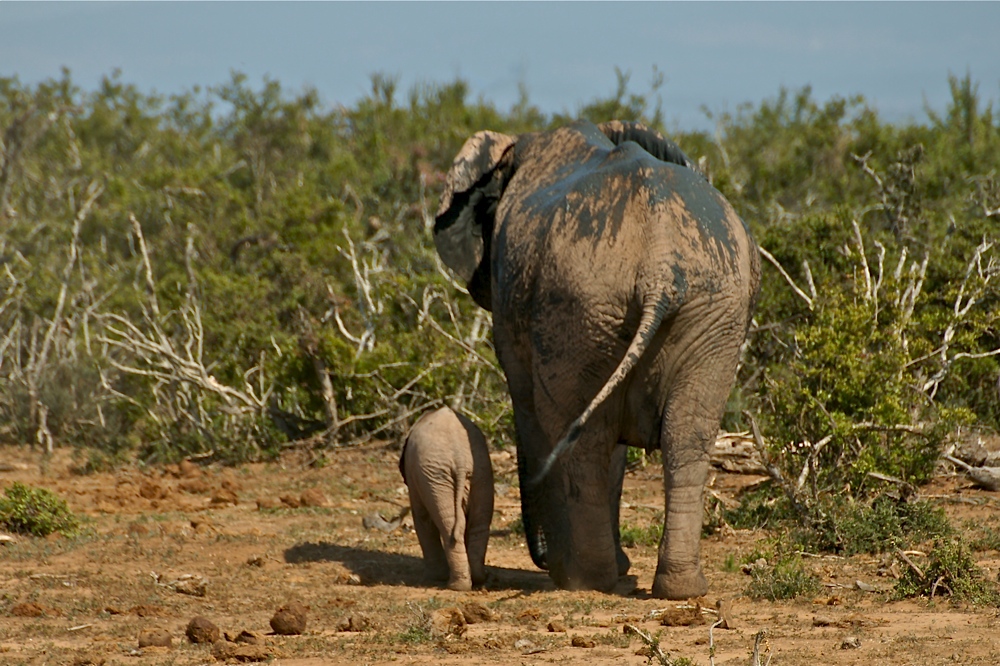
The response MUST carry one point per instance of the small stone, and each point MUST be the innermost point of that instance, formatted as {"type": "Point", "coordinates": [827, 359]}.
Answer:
{"type": "Point", "coordinates": [557, 627]}
{"type": "Point", "coordinates": [224, 497]}
{"type": "Point", "coordinates": [202, 630]}
{"type": "Point", "coordinates": [151, 490]}
{"type": "Point", "coordinates": [529, 615]}
{"type": "Point", "coordinates": [290, 619]}
{"type": "Point", "coordinates": [583, 642]}
{"type": "Point", "coordinates": [188, 469]}
{"type": "Point", "coordinates": [355, 623]}
{"type": "Point", "coordinates": [221, 650]}
{"type": "Point", "coordinates": [850, 643]}
{"type": "Point", "coordinates": [248, 637]}
{"type": "Point", "coordinates": [476, 612]}
{"type": "Point", "coordinates": [155, 637]}
{"type": "Point", "coordinates": [267, 503]}
{"type": "Point", "coordinates": [725, 608]}
{"type": "Point", "coordinates": [313, 497]}
{"type": "Point", "coordinates": [291, 501]}
{"type": "Point", "coordinates": [195, 486]}
{"type": "Point", "coordinates": [865, 587]}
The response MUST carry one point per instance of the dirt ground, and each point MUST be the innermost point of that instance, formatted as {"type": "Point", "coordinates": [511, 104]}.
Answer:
{"type": "Point", "coordinates": [163, 546]}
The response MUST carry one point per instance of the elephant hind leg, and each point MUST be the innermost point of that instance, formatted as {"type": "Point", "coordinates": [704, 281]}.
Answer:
{"type": "Point", "coordinates": [690, 424]}
{"type": "Point", "coordinates": [435, 562]}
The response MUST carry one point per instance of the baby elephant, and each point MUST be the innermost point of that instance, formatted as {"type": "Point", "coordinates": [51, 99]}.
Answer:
{"type": "Point", "coordinates": [446, 466]}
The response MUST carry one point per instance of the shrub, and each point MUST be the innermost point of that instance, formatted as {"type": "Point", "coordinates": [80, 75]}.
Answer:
{"type": "Point", "coordinates": [787, 579]}
{"type": "Point", "coordinates": [35, 511]}
{"type": "Point", "coordinates": [949, 570]}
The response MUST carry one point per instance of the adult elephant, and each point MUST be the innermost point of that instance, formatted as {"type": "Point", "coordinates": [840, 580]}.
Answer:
{"type": "Point", "coordinates": [621, 285]}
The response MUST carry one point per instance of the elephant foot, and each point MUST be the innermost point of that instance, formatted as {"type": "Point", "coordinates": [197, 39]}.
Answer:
{"type": "Point", "coordinates": [602, 581]}
{"type": "Point", "coordinates": [460, 585]}
{"type": "Point", "coordinates": [624, 563]}
{"type": "Point", "coordinates": [675, 586]}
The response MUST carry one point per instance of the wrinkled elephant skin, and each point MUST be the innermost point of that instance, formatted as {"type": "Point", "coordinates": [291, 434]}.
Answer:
{"type": "Point", "coordinates": [446, 466]}
{"type": "Point", "coordinates": [621, 285]}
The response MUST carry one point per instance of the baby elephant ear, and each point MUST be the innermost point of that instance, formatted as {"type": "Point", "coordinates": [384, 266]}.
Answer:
{"type": "Point", "coordinates": [469, 201]}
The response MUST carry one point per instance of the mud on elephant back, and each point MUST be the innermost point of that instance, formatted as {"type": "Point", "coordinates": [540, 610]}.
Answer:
{"type": "Point", "coordinates": [621, 285]}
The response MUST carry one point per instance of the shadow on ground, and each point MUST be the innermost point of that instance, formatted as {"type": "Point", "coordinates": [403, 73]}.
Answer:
{"type": "Point", "coordinates": [380, 568]}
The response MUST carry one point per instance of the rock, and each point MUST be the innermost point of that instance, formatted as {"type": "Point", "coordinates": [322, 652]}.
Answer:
{"type": "Point", "coordinates": [248, 637]}
{"type": "Point", "coordinates": [147, 610]}
{"type": "Point", "coordinates": [195, 486]}
{"type": "Point", "coordinates": [557, 626]}
{"type": "Point", "coordinates": [476, 612]}
{"type": "Point", "coordinates": [152, 490]}
{"type": "Point", "coordinates": [88, 659]}
{"type": "Point", "coordinates": [191, 584]}
{"type": "Point", "coordinates": [448, 622]}
{"type": "Point", "coordinates": [267, 503]}
{"type": "Point", "coordinates": [865, 587]}
{"type": "Point", "coordinates": [529, 615]}
{"type": "Point", "coordinates": [313, 497]}
{"type": "Point", "coordinates": [155, 637]}
{"type": "Point", "coordinates": [493, 643]}
{"type": "Point", "coordinates": [291, 501]}
{"type": "Point", "coordinates": [850, 643]}
{"type": "Point", "coordinates": [375, 521]}
{"type": "Point", "coordinates": [290, 619]}
{"type": "Point", "coordinates": [356, 623]}
{"type": "Point", "coordinates": [725, 608]}
{"type": "Point", "coordinates": [202, 630]}
{"type": "Point", "coordinates": [224, 497]}
{"type": "Point", "coordinates": [759, 565]}
{"type": "Point", "coordinates": [583, 642]}
{"type": "Point", "coordinates": [188, 469]}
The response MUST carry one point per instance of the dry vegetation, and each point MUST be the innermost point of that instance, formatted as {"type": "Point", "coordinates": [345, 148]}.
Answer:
{"type": "Point", "coordinates": [160, 547]}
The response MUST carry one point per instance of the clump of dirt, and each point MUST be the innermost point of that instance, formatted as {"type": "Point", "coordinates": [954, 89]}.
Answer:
{"type": "Point", "coordinates": [290, 619]}
{"type": "Point", "coordinates": [476, 612]}
{"type": "Point", "coordinates": [31, 609]}
{"type": "Point", "coordinates": [202, 630]}
{"type": "Point", "coordinates": [313, 497]}
{"type": "Point", "coordinates": [447, 622]}
{"type": "Point", "coordinates": [356, 623]}
{"type": "Point", "coordinates": [155, 637]}
{"type": "Point", "coordinates": [151, 490]}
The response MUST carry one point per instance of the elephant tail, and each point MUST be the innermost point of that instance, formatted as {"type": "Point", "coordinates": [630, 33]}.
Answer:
{"type": "Point", "coordinates": [653, 314]}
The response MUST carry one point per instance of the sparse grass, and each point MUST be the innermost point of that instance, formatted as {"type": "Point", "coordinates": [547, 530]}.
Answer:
{"type": "Point", "coordinates": [787, 579]}
{"type": "Point", "coordinates": [633, 536]}
{"type": "Point", "coordinates": [36, 511]}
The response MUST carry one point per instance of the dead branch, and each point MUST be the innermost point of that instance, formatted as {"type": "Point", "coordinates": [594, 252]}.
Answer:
{"type": "Point", "coordinates": [788, 278]}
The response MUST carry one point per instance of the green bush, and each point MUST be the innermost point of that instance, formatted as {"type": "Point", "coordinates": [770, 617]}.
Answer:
{"type": "Point", "coordinates": [35, 511]}
{"type": "Point", "coordinates": [949, 570]}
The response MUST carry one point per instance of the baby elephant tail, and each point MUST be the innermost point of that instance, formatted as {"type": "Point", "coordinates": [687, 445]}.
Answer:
{"type": "Point", "coordinates": [463, 486]}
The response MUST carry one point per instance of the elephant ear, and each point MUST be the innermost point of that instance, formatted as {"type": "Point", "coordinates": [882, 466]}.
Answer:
{"type": "Point", "coordinates": [651, 141]}
{"type": "Point", "coordinates": [469, 199]}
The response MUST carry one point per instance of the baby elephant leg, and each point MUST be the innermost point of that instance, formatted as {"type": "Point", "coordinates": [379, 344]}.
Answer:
{"type": "Point", "coordinates": [435, 562]}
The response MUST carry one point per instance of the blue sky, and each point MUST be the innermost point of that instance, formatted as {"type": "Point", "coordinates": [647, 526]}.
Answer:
{"type": "Point", "coordinates": [716, 54]}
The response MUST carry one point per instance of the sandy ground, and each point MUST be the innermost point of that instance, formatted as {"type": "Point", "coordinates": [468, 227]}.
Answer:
{"type": "Point", "coordinates": [151, 537]}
